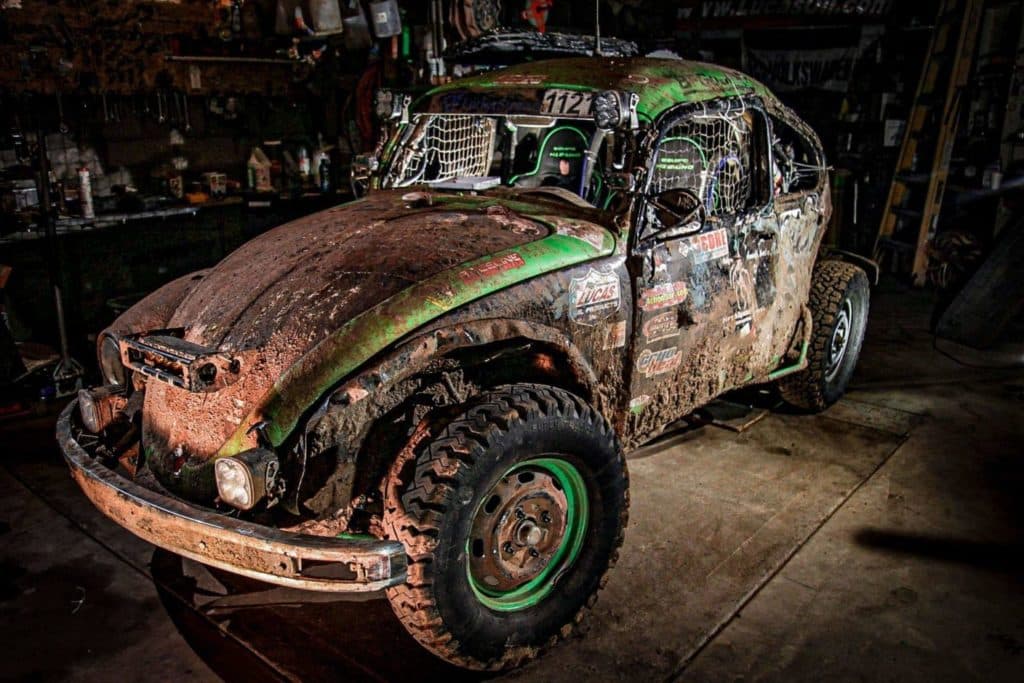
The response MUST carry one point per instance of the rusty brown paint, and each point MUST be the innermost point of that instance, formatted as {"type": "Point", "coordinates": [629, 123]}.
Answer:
{"type": "Point", "coordinates": [286, 291]}
{"type": "Point", "coordinates": [220, 541]}
{"type": "Point", "coordinates": [340, 318]}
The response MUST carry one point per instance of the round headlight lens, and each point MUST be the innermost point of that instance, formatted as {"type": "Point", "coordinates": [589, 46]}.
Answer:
{"type": "Point", "coordinates": [110, 361]}
{"type": "Point", "coordinates": [607, 109]}
{"type": "Point", "coordinates": [234, 483]}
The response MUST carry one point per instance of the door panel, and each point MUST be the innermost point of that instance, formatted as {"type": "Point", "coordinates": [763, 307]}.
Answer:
{"type": "Point", "coordinates": [698, 294]}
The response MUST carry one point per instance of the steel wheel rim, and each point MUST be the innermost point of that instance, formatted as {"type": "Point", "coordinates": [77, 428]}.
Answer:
{"type": "Point", "coordinates": [840, 340]}
{"type": "Point", "coordinates": [514, 555]}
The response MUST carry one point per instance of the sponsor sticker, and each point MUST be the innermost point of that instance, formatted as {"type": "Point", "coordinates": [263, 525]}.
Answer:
{"type": "Point", "coordinates": [441, 296]}
{"type": "Point", "coordinates": [653, 363]}
{"type": "Point", "coordinates": [661, 326]}
{"type": "Point", "coordinates": [615, 336]}
{"type": "Point", "coordinates": [491, 268]}
{"type": "Point", "coordinates": [593, 297]}
{"type": "Point", "coordinates": [663, 295]}
{"type": "Point", "coordinates": [708, 246]}
{"type": "Point", "coordinates": [521, 79]}
{"type": "Point", "coordinates": [567, 103]}
{"type": "Point", "coordinates": [638, 403]}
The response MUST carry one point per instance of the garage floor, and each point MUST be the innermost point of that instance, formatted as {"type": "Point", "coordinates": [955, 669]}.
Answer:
{"type": "Point", "coordinates": [879, 541]}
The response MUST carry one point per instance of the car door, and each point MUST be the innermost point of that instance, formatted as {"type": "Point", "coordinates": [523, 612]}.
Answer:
{"type": "Point", "coordinates": [699, 281]}
{"type": "Point", "coordinates": [799, 217]}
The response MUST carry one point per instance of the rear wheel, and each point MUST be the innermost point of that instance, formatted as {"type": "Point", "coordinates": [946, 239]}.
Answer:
{"type": "Point", "coordinates": [839, 310]}
{"type": "Point", "coordinates": [511, 517]}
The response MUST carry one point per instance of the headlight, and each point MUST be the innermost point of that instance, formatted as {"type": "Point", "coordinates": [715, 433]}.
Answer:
{"type": "Point", "coordinates": [110, 361]}
{"type": "Point", "coordinates": [391, 106]}
{"type": "Point", "coordinates": [245, 479]}
{"type": "Point", "coordinates": [613, 109]}
{"type": "Point", "coordinates": [100, 406]}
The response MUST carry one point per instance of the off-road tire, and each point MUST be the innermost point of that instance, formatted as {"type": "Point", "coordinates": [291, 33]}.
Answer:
{"type": "Point", "coordinates": [835, 286]}
{"type": "Point", "coordinates": [430, 505]}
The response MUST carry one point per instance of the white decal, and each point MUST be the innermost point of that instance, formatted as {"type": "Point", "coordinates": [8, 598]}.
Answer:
{"type": "Point", "coordinates": [567, 103]}
{"type": "Point", "coordinates": [652, 363]}
{"type": "Point", "coordinates": [708, 246]}
{"type": "Point", "coordinates": [638, 403]}
{"type": "Point", "coordinates": [615, 336]}
{"type": "Point", "coordinates": [661, 326]}
{"type": "Point", "coordinates": [593, 297]}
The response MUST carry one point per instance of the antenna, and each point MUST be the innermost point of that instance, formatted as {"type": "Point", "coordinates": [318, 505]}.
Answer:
{"type": "Point", "coordinates": [597, 27]}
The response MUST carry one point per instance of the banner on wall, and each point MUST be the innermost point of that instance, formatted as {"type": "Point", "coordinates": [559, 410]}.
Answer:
{"type": "Point", "coordinates": [827, 69]}
{"type": "Point", "coordinates": [712, 9]}
{"type": "Point", "coordinates": [782, 63]}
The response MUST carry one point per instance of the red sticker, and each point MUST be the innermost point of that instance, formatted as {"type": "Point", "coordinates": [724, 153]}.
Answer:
{"type": "Point", "coordinates": [495, 266]}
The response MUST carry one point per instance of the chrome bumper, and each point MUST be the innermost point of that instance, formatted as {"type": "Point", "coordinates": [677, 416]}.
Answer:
{"type": "Point", "coordinates": [317, 563]}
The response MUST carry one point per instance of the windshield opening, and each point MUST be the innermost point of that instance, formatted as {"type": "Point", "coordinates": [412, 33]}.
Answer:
{"type": "Point", "coordinates": [516, 151]}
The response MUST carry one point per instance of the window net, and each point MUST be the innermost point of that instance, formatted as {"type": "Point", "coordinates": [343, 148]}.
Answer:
{"type": "Point", "coordinates": [446, 147]}
{"type": "Point", "coordinates": [711, 155]}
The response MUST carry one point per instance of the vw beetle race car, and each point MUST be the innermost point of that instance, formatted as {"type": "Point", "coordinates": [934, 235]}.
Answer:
{"type": "Point", "coordinates": [430, 390]}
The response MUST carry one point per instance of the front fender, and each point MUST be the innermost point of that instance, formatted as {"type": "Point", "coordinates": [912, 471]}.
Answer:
{"type": "Point", "coordinates": [372, 332]}
{"type": "Point", "coordinates": [345, 419]}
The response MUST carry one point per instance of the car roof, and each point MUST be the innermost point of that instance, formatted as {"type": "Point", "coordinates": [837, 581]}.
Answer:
{"type": "Point", "coordinates": [659, 83]}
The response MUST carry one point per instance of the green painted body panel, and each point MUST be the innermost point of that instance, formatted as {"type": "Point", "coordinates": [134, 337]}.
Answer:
{"type": "Point", "coordinates": [375, 329]}
{"type": "Point", "coordinates": [659, 83]}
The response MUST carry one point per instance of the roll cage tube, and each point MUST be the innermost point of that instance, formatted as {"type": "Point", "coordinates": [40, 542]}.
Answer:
{"type": "Point", "coordinates": [648, 149]}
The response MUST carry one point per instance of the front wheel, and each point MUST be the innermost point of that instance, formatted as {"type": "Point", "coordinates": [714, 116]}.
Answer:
{"type": "Point", "coordinates": [511, 517]}
{"type": "Point", "coordinates": [839, 311]}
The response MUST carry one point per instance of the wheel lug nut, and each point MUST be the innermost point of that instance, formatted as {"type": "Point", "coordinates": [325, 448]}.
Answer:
{"type": "Point", "coordinates": [520, 514]}
{"type": "Point", "coordinates": [545, 517]}
{"type": "Point", "coordinates": [507, 548]}
{"type": "Point", "coordinates": [534, 553]}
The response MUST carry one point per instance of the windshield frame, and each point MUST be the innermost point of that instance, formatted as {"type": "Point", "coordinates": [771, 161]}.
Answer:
{"type": "Point", "coordinates": [402, 144]}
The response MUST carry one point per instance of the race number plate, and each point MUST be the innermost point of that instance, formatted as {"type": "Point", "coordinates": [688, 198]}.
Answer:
{"type": "Point", "coordinates": [567, 103]}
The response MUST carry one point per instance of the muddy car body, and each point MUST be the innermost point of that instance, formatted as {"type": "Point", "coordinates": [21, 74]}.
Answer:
{"type": "Point", "coordinates": [645, 239]}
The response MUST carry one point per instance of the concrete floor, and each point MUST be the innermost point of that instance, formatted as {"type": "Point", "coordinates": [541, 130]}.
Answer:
{"type": "Point", "coordinates": [879, 541]}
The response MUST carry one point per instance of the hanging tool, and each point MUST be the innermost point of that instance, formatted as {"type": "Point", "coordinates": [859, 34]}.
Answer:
{"type": "Point", "coordinates": [67, 376]}
{"type": "Point", "coordinates": [61, 125]}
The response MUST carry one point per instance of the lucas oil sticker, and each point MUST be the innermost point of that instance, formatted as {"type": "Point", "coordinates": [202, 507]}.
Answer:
{"type": "Point", "coordinates": [708, 246]}
{"type": "Point", "coordinates": [652, 363]}
{"type": "Point", "coordinates": [593, 297]}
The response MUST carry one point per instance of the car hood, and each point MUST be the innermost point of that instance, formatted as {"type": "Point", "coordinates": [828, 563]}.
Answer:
{"type": "Point", "coordinates": [296, 303]}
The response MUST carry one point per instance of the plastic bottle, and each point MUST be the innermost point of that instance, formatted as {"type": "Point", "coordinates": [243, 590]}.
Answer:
{"type": "Point", "coordinates": [85, 193]}
{"type": "Point", "coordinates": [325, 174]}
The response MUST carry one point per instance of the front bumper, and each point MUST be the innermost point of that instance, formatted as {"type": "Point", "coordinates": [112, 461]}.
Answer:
{"type": "Point", "coordinates": [318, 563]}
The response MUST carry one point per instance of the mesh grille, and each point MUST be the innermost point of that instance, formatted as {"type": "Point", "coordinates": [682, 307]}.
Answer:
{"type": "Point", "coordinates": [711, 155]}
{"type": "Point", "coordinates": [451, 146]}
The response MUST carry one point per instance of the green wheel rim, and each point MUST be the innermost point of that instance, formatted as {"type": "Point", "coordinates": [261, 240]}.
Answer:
{"type": "Point", "coordinates": [527, 594]}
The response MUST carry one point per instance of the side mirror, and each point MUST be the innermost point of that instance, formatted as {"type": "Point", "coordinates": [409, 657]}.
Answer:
{"type": "Point", "coordinates": [675, 212]}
